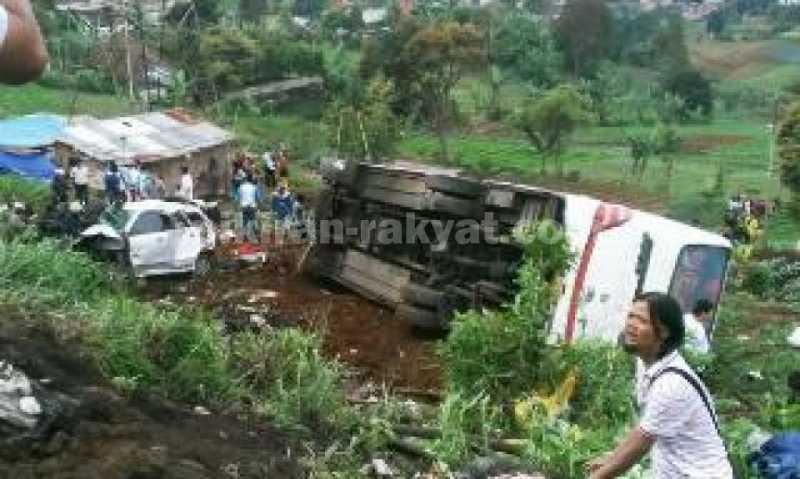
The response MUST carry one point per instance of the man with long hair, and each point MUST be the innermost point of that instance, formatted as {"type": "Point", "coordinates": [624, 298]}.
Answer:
{"type": "Point", "coordinates": [677, 422]}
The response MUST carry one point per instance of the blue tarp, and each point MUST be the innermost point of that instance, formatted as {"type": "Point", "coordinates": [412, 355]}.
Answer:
{"type": "Point", "coordinates": [35, 166]}
{"type": "Point", "coordinates": [32, 131]}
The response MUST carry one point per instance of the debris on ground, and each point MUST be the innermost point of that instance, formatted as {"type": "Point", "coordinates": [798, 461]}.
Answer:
{"type": "Point", "coordinates": [86, 430]}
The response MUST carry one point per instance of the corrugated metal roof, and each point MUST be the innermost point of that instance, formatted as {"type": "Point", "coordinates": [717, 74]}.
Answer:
{"type": "Point", "coordinates": [148, 137]}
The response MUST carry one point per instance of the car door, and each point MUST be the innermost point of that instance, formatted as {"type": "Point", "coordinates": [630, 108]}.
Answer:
{"type": "Point", "coordinates": [188, 242]}
{"type": "Point", "coordinates": [151, 240]}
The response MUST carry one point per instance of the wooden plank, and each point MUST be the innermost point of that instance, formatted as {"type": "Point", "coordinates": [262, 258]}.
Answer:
{"type": "Point", "coordinates": [404, 200]}
{"type": "Point", "coordinates": [388, 292]}
{"type": "Point", "coordinates": [376, 268]}
{"type": "Point", "coordinates": [394, 183]}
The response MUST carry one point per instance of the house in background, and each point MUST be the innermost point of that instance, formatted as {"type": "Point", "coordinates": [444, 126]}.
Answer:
{"type": "Point", "coordinates": [163, 142]}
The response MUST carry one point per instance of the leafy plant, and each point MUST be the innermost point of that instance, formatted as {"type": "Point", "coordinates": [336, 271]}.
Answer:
{"type": "Point", "coordinates": [35, 195]}
{"type": "Point", "coordinates": [292, 381]}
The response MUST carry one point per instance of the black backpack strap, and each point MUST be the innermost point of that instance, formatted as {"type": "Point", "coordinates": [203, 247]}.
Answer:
{"type": "Point", "coordinates": [697, 387]}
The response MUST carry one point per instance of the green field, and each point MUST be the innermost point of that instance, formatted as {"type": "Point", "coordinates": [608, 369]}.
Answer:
{"type": "Point", "coordinates": [15, 101]}
{"type": "Point", "coordinates": [599, 155]}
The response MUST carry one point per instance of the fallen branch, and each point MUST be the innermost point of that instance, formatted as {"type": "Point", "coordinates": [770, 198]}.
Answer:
{"type": "Point", "coordinates": [430, 394]}
{"type": "Point", "coordinates": [509, 445]}
{"type": "Point", "coordinates": [407, 446]}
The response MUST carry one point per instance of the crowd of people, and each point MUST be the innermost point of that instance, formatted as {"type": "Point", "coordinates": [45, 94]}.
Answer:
{"type": "Point", "coordinates": [255, 186]}
{"type": "Point", "coordinates": [253, 180]}
{"type": "Point", "coordinates": [744, 218]}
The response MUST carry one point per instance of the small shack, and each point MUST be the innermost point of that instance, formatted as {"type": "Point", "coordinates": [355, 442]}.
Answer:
{"type": "Point", "coordinates": [162, 142]}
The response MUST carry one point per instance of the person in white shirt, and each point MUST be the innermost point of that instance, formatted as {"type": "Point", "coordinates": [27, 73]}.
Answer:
{"type": "Point", "coordinates": [678, 424]}
{"type": "Point", "coordinates": [697, 327]}
{"type": "Point", "coordinates": [248, 201]}
{"type": "Point", "coordinates": [269, 169]}
{"type": "Point", "coordinates": [23, 55]}
{"type": "Point", "coordinates": [186, 185]}
{"type": "Point", "coordinates": [80, 178]}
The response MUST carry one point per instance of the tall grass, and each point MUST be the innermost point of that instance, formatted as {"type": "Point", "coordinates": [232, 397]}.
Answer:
{"type": "Point", "coordinates": [290, 379]}
{"type": "Point", "coordinates": [32, 193]}
{"type": "Point", "coordinates": [180, 353]}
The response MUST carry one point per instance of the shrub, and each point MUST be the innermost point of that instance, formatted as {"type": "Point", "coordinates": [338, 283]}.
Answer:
{"type": "Point", "coordinates": [47, 265]}
{"type": "Point", "coordinates": [32, 193]}
{"type": "Point", "coordinates": [497, 353]}
{"type": "Point", "coordinates": [290, 379]}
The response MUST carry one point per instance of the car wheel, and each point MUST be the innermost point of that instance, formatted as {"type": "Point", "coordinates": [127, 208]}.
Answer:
{"type": "Point", "coordinates": [420, 295]}
{"type": "Point", "coordinates": [202, 266]}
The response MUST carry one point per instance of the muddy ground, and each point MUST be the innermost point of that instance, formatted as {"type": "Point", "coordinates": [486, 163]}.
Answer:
{"type": "Point", "coordinates": [379, 348]}
{"type": "Point", "coordinates": [107, 436]}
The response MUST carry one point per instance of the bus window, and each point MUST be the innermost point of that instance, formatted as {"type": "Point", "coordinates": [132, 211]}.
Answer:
{"type": "Point", "coordinates": [699, 274]}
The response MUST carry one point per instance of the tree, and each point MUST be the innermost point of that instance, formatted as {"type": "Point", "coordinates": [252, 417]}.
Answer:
{"type": "Point", "coordinates": [252, 10]}
{"type": "Point", "coordinates": [584, 31]}
{"type": "Point", "coordinates": [788, 141]}
{"type": "Point", "coordinates": [440, 53]}
{"type": "Point", "coordinates": [691, 86]}
{"type": "Point", "coordinates": [207, 11]}
{"type": "Point", "coordinates": [715, 23]}
{"type": "Point", "coordinates": [387, 56]}
{"type": "Point", "coordinates": [670, 52]}
{"type": "Point", "coordinates": [524, 47]}
{"type": "Point", "coordinates": [549, 120]}
{"type": "Point", "coordinates": [227, 58]}
{"type": "Point", "coordinates": [365, 130]}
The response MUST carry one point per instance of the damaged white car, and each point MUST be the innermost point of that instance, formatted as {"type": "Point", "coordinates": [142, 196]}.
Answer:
{"type": "Point", "coordinates": [154, 237]}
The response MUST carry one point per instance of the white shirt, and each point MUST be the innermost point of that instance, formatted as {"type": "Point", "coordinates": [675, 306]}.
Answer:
{"type": "Point", "coordinates": [186, 189]}
{"type": "Point", "coordinates": [268, 161]}
{"type": "Point", "coordinates": [80, 174]}
{"type": "Point", "coordinates": [3, 24]}
{"type": "Point", "coordinates": [673, 413]}
{"type": "Point", "coordinates": [247, 195]}
{"type": "Point", "coordinates": [696, 337]}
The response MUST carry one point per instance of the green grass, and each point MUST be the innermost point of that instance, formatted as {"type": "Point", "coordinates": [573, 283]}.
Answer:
{"type": "Point", "coordinates": [599, 154]}
{"type": "Point", "coordinates": [33, 98]}
{"type": "Point", "coordinates": [177, 352]}
{"type": "Point", "coordinates": [255, 132]}
{"type": "Point", "coordinates": [31, 193]}
{"type": "Point", "coordinates": [783, 231]}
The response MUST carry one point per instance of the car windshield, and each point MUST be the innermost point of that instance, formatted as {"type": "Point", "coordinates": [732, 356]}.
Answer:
{"type": "Point", "coordinates": [115, 217]}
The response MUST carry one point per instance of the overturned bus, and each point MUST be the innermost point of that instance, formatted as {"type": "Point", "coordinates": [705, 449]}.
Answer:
{"type": "Point", "coordinates": [427, 242]}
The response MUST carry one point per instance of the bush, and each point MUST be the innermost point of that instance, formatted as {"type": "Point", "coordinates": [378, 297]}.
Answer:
{"type": "Point", "coordinates": [289, 378]}
{"type": "Point", "coordinates": [178, 354]}
{"type": "Point", "coordinates": [32, 193]}
{"type": "Point", "coordinates": [483, 349]}
{"type": "Point", "coordinates": [48, 266]}
{"type": "Point", "coordinates": [693, 88]}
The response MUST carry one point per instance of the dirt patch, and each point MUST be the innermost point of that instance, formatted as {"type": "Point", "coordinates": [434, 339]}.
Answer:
{"type": "Point", "coordinates": [109, 436]}
{"type": "Point", "coordinates": [363, 335]}
{"type": "Point", "coordinates": [732, 60]}
{"type": "Point", "coordinates": [709, 143]}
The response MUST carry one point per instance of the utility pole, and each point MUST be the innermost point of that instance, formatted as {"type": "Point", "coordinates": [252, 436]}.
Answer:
{"type": "Point", "coordinates": [128, 50]}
